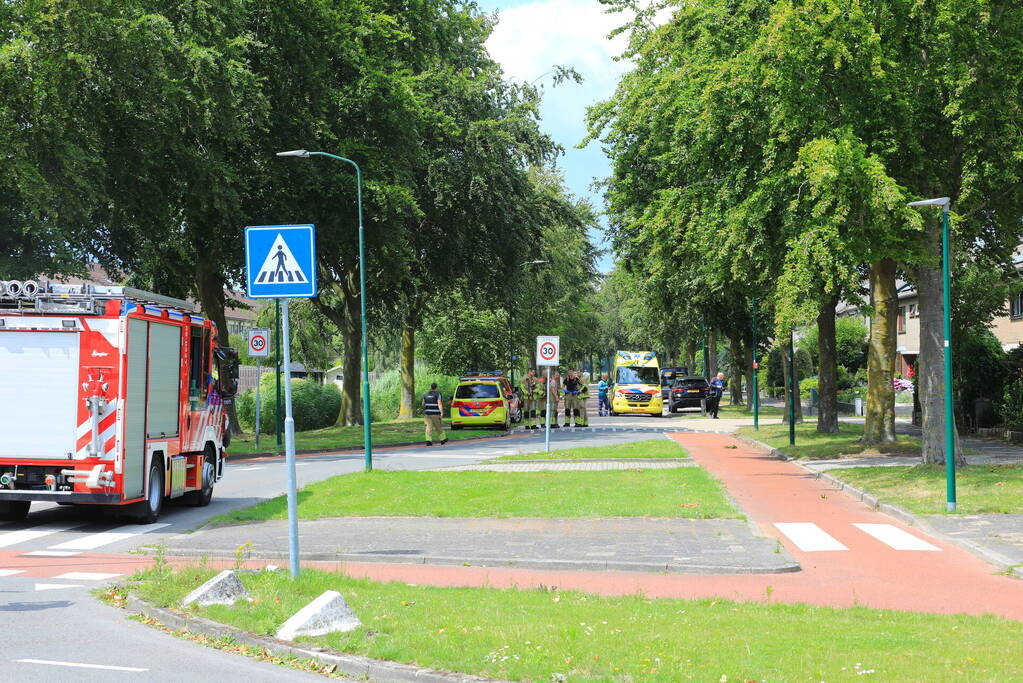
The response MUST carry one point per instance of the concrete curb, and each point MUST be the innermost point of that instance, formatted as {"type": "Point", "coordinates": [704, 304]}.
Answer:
{"type": "Point", "coordinates": [358, 449]}
{"type": "Point", "coordinates": [351, 665]}
{"type": "Point", "coordinates": [502, 563]}
{"type": "Point", "coordinates": [1002, 562]}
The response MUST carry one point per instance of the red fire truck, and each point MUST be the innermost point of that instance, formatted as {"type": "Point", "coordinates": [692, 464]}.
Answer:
{"type": "Point", "coordinates": [109, 396]}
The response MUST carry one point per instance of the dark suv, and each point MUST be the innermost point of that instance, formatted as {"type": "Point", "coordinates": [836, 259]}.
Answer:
{"type": "Point", "coordinates": [668, 377]}
{"type": "Point", "coordinates": [687, 392]}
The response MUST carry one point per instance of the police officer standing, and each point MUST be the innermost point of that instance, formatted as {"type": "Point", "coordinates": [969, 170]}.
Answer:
{"type": "Point", "coordinates": [717, 390]}
{"type": "Point", "coordinates": [433, 412]}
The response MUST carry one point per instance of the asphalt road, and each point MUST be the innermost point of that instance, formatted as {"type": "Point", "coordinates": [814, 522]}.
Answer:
{"type": "Point", "coordinates": [54, 630]}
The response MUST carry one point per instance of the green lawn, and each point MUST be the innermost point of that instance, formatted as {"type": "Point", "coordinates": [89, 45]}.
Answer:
{"type": "Point", "coordinates": [921, 489]}
{"type": "Point", "coordinates": [550, 636]}
{"type": "Point", "coordinates": [395, 431]}
{"type": "Point", "coordinates": [682, 492]}
{"type": "Point", "coordinates": [815, 446]}
{"type": "Point", "coordinates": [654, 448]}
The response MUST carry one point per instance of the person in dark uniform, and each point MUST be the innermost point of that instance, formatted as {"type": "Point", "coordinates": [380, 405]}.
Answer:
{"type": "Point", "coordinates": [433, 413]}
{"type": "Point", "coordinates": [717, 390]}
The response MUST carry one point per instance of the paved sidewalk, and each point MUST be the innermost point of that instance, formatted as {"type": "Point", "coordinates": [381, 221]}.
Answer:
{"type": "Point", "coordinates": [572, 465]}
{"type": "Point", "coordinates": [720, 546]}
{"type": "Point", "coordinates": [999, 534]}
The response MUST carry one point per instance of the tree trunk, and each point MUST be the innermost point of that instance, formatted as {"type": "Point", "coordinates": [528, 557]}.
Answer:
{"type": "Point", "coordinates": [735, 371]}
{"type": "Point", "coordinates": [406, 409]}
{"type": "Point", "coordinates": [345, 315]}
{"type": "Point", "coordinates": [787, 369]}
{"type": "Point", "coordinates": [209, 285]}
{"type": "Point", "coordinates": [879, 426]}
{"type": "Point", "coordinates": [827, 419]}
{"type": "Point", "coordinates": [689, 356]}
{"type": "Point", "coordinates": [712, 354]}
{"type": "Point", "coordinates": [930, 378]}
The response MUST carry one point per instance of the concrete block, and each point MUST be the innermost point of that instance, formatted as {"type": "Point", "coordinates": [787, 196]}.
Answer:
{"type": "Point", "coordinates": [328, 613]}
{"type": "Point", "coordinates": [222, 589]}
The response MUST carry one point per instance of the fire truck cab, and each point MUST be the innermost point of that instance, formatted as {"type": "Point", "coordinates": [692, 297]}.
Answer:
{"type": "Point", "coordinates": [110, 396]}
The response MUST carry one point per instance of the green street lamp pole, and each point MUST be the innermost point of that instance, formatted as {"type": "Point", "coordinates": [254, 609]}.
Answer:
{"type": "Point", "coordinates": [755, 390]}
{"type": "Point", "coordinates": [950, 439]}
{"type": "Point", "coordinates": [367, 416]}
{"type": "Point", "coordinates": [511, 336]}
{"type": "Point", "coordinates": [792, 392]}
{"type": "Point", "coordinates": [706, 354]}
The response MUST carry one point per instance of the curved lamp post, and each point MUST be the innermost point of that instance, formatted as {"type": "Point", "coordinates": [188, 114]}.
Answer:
{"type": "Point", "coordinates": [950, 441]}
{"type": "Point", "coordinates": [366, 415]}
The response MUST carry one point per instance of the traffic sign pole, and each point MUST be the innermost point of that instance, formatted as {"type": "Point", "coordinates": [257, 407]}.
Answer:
{"type": "Point", "coordinates": [548, 352]}
{"type": "Point", "coordinates": [259, 348]}
{"type": "Point", "coordinates": [259, 376]}
{"type": "Point", "coordinates": [289, 451]}
{"type": "Point", "coordinates": [547, 413]}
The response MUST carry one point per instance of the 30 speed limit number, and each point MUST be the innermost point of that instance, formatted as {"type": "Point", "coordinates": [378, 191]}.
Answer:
{"type": "Point", "coordinates": [259, 344]}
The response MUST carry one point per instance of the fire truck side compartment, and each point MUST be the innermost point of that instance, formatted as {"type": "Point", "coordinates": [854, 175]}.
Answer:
{"type": "Point", "coordinates": [164, 381]}
{"type": "Point", "coordinates": [35, 366]}
{"type": "Point", "coordinates": [135, 409]}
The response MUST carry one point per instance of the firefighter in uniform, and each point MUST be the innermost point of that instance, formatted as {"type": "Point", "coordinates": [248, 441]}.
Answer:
{"type": "Point", "coordinates": [581, 418]}
{"type": "Point", "coordinates": [571, 392]}
{"type": "Point", "coordinates": [555, 390]}
{"type": "Point", "coordinates": [532, 394]}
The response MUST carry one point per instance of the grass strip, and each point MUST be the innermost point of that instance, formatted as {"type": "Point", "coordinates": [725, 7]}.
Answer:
{"type": "Point", "coordinates": [395, 431]}
{"type": "Point", "coordinates": [813, 445]}
{"type": "Point", "coordinates": [653, 448]}
{"type": "Point", "coordinates": [548, 635]}
{"type": "Point", "coordinates": [980, 489]}
{"type": "Point", "coordinates": [684, 492]}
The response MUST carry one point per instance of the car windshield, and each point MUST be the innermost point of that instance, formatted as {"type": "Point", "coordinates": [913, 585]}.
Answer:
{"type": "Point", "coordinates": [477, 391]}
{"type": "Point", "coordinates": [634, 375]}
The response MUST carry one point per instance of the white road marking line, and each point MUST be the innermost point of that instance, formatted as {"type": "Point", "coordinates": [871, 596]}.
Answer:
{"type": "Point", "coordinates": [53, 553]}
{"type": "Point", "coordinates": [23, 535]}
{"type": "Point", "coordinates": [250, 469]}
{"type": "Point", "coordinates": [106, 537]}
{"type": "Point", "coordinates": [11, 572]}
{"type": "Point", "coordinates": [80, 665]}
{"type": "Point", "coordinates": [86, 576]}
{"type": "Point", "coordinates": [55, 586]}
{"type": "Point", "coordinates": [809, 537]}
{"type": "Point", "coordinates": [895, 537]}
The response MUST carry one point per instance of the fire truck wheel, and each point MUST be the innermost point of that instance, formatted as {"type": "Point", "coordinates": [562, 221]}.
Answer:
{"type": "Point", "coordinates": [152, 506]}
{"type": "Point", "coordinates": [14, 510]}
{"type": "Point", "coordinates": [203, 496]}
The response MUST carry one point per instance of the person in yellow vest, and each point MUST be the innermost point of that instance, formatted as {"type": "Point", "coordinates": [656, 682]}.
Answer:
{"type": "Point", "coordinates": [532, 395]}
{"type": "Point", "coordinates": [555, 393]}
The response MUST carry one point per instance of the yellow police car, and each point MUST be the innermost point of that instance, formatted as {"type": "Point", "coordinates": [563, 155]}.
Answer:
{"type": "Point", "coordinates": [484, 399]}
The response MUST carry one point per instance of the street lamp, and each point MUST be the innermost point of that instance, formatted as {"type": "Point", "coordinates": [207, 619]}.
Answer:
{"type": "Point", "coordinates": [366, 415]}
{"type": "Point", "coordinates": [511, 337]}
{"type": "Point", "coordinates": [950, 452]}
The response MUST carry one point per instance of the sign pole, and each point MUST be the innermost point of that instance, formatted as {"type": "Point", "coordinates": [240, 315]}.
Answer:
{"type": "Point", "coordinates": [547, 413]}
{"type": "Point", "coordinates": [277, 356]}
{"type": "Point", "coordinates": [259, 375]}
{"type": "Point", "coordinates": [289, 453]}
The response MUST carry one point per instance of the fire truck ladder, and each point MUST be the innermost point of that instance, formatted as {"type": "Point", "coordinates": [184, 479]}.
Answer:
{"type": "Point", "coordinates": [88, 299]}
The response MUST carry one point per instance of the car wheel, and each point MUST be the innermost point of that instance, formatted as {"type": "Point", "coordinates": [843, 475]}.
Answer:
{"type": "Point", "coordinates": [14, 510]}
{"type": "Point", "coordinates": [152, 506]}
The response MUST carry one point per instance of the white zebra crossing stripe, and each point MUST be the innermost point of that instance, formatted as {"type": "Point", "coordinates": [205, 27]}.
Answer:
{"type": "Point", "coordinates": [55, 586]}
{"type": "Point", "coordinates": [86, 576]}
{"type": "Point", "coordinates": [106, 537]}
{"type": "Point", "coordinates": [24, 535]}
{"type": "Point", "coordinates": [11, 572]}
{"type": "Point", "coordinates": [809, 537]}
{"type": "Point", "coordinates": [52, 553]}
{"type": "Point", "coordinates": [895, 537]}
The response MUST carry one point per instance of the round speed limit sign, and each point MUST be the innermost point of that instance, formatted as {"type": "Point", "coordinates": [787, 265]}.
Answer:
{"type": "Point", "coordinates": [259, 345]}
{"type": "Point", "coordinates": [548, 350]}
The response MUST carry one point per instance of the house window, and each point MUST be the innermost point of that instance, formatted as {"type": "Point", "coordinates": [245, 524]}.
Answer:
{"type": "Point", "coordinates": [913, 312]}
{"type": "Point", "coordinates": [902, 320]}
{"type": "Point", "coordinates": [1016, 306]}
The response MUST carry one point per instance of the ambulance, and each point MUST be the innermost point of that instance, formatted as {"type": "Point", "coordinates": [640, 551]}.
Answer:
{"type": "Point", "coordinates": [112, 396]}
{"type": "Point", "coordinates": [637, 384]}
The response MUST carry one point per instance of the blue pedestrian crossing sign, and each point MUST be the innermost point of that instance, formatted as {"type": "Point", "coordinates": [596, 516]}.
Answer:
{"type": "Point", "coordinates": [280, 261]}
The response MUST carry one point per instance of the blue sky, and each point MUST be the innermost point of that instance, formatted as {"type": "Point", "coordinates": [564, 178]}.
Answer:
{"type": "Point", "coordinates": [534, 35]}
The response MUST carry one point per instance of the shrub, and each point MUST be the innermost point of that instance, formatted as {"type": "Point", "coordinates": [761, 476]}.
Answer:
{"type": "Point", "coordinates": [1011, 410]}
{"type": "Point", "coordinates": [385, 393]}
{"type": "Point", "coordinates": [313, 405]}
{"type": "Point", "coordinates": [807, 384]}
